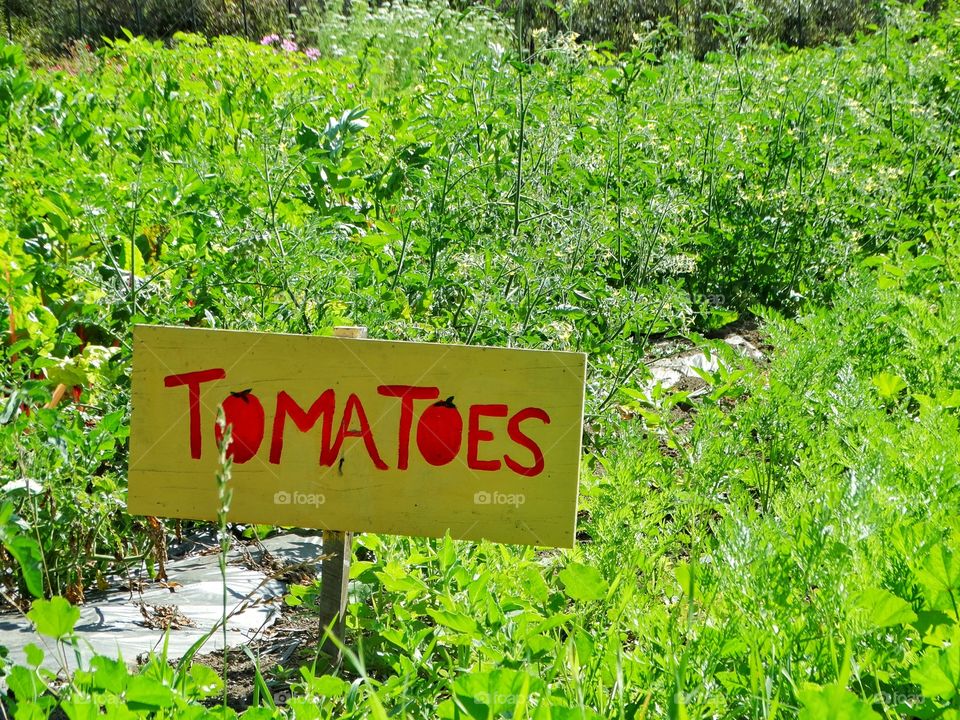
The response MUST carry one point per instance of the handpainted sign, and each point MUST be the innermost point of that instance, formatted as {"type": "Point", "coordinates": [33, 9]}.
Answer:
{"type": "Point", "coordinates": [360, 435]}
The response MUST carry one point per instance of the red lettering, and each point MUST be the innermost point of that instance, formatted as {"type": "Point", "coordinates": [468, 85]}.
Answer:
{"type": "Point", "coordinates": [476, 435]}
{"type": "Point", "coordinates": [407, 394]}
{"type": "Point", "coordinates": [304, 420]}
{"type": "Point", "coordinates": [193, 381]}
{"type": "Point", "coordinates": [517, 435]}
{"type": "Point", "coordinates": [354, 406]}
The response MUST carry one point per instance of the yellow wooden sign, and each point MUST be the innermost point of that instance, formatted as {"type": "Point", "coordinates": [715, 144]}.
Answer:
{"type": "Point", "coordinates": [359, 435]}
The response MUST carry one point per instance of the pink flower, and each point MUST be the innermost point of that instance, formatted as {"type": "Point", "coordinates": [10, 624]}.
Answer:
{"type": "Point", "coordinates": [288, 45]}
{"type": "Point", "coordinates": [312, 53]}
{"type": "Point", "coordinates": [269, 39]}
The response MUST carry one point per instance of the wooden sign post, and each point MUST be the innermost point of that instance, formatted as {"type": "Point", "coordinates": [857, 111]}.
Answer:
{"type": "Point", "coordinates": [371, 435]}
{"type": "Point", "coordinates": [337, 553]}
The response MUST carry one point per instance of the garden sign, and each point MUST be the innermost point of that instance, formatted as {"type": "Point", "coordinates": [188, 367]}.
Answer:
{"type": "Point", "coordinates": [367, 435]}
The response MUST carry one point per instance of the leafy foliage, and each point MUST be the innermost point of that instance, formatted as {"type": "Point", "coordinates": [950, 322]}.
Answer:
{"type": "Point", "coordinates": [785, 543]}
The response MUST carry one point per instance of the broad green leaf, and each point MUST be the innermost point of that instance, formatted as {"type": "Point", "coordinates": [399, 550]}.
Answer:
{"type": "Point", "coordinates": [583, 582]}
{"type": "Point", "coordinates": [206, 680]}
{"type": "Point", "coordinates": [926, 262]}
{"type": "Point", "coordinates": [54, 617]}
{"type": "Point", "coordinates": [24, 683]}
{"type": "Point", "coordinates": [833, 702]}
{"type": "Point", "coordinates": [109, 675]}
{"type": "Point", "coordinates": [78, 709]}
{"type": "Point", "coordinates": [940, 577]}
{"type": "Point", "coordinates": [884, 609]}
{"type": "Point", "coordinates": [34, 655]}
{"type": "Point", "coordinates": [67, 371]}
{"type": "Point", "coordinates": [39, 710]}
{"type": "Point", "coordinates": [496, 691]}
{"type": "Point", "coordinates": [262, 713]}
{"type": "Point", "coordinates": [585, 647]}
{"type": "Point", "coordinates": [26, 552]}
{"type": "Point", "coordinates": [455, 621]}
{"type": "Point", "coordinates": [532, 582]}
{"type": "Point", "coordinates": [889, 385]}
{"type": "Point", "coordinates": [305, 708]}
{"type": "Point", "coordinates": [327, 686]}
{"type": "Point", "coordinates": [147, 693]}
{"type": "Point", "coordinates": [395, 579]}
{"type": "Point", "coordinates": [938, 672]}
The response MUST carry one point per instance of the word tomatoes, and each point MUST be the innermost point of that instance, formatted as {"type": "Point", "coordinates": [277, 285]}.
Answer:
{"type": "Point", "coordinates": [440, 426]}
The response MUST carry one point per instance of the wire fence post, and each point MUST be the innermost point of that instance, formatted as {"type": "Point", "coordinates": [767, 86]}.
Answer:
{"type": "Point", "coordinates": [138, 13]}
{"type": "Point", "coordinates": [293, 30]}
{"type": "Point", "coordinates": [246, 26]}
{"type": "Point", "coordinates": [79, 19]}
{"type": "Point", "coordinates": [6, 14]}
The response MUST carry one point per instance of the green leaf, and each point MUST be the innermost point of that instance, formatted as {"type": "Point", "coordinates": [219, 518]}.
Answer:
{"type": "Point", "coordinates": [26, 552]}
{"type": "Point", "coordinates": [927, 262]}
{"type": "Point", "coordinates": [398, 583]}
{"type": "Point", "coordinates": [938, 673]}
{"type": "Point", "coordinates": [551, 623]}
{"type": "Point", "coordinates": [54, 617]}
{"type": "Point", "coordinates": [34, 655]}
{"type": "Point", "coordinates": [108, 675]}
{"type": "Point", "coordinates": [206, 680]}
{"type": "Point", "coordinates": [940, 577]}
{"type": "Point", "coordinates": [328, 686]}
{"type": "Point", "coordinates": [889, 385]}
{"type": "Point", "coordinates": [686, 579]}
{"type": "Point", "coordinates": [494, 693]}
{"type": "Point", "coordinates": [377, 710]}
{"type": "Point", "coordinates": [833, 702]}
{"type": "Point", "coordinates": [24, 683]}
{"type": "Point", "coordinates": [532, 582]}
{"type": "Point", "coordinates": [81, 709]}
{"type": "Point", "coordinates": [147, 693]}
{"type": "Point", "coordinates": [582, 582]}
{"type": "Point", "coordinates": [455, 621]}
{"type": "Point", "coordinates": [884, 609]}
{"type": "Point", "coordinates": [447, 554]}
{"type": "Point", "coordinates": [12, 408]}
{"type": "Point", "coordinates": [262, 713]}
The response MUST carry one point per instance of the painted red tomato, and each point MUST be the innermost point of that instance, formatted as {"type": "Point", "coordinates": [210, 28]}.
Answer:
{"type": "Point", "coordinates": [440, 432]}
{"type": "Point", "coordinates": [244, 413]}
